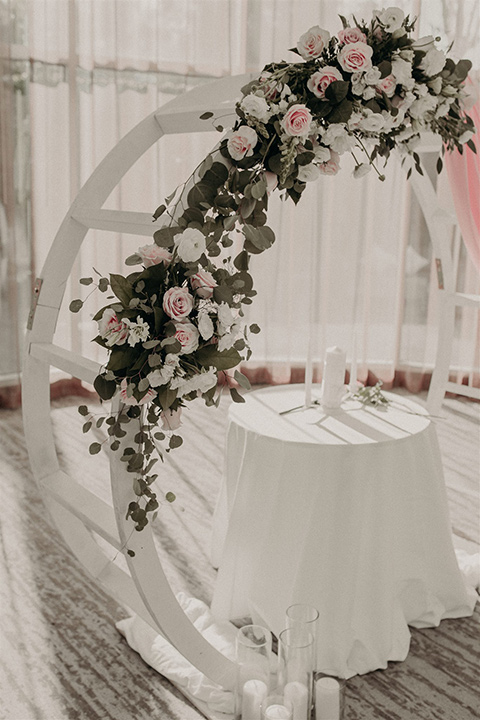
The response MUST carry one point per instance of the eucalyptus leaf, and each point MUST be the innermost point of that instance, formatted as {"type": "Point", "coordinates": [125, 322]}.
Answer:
{"type": "Point", "coordinates": [75, 306]}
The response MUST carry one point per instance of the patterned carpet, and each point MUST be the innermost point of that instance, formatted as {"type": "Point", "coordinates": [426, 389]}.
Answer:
{"type": "Point", "coordinates": [63, 659]}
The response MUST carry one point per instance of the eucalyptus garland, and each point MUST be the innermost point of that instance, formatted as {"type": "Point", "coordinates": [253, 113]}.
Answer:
{"type": "Point", "coordinates": [175, 330]}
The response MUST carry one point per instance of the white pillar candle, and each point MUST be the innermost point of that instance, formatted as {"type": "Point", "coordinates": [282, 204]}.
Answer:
{"type": "Point", "coordinates": [297, 694]}
{"type": "Point", "coordinates": [327, 699]}
{"type": "Point", "coordinates": [333, 384]}
{"type": "Point", "coordinates": [277, 712]}
{"type": "Point", "coordinates": [253, 695]}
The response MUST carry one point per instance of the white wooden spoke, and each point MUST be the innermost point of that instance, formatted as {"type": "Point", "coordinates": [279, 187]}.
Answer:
{"type": "Point", "coordinates": [120, 221]}
{"type": "Point", "coordinates": [66, 360]}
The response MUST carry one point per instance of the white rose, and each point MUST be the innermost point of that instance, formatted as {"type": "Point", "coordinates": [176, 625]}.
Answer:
{"type": "Point", "coordinates": [256, 106]}
{"type": "Point", "coordinates": [308, 173]}
{"type": "Point", "coordinates": [372, 76]}
{"type": "Point", "coordinates": [242, 142]}
{"type": "Point", "coordinates": [391, 18]}
{"type": "Point", "coordinates": [402, 70]}
{"type": "Point", "coordinates": [373, 122]}
{"type": "Point", "coordinates": [190, 244]}
{"type": "Point", "coordinates": [422, 106]}
{"type": "Point", "coordinates": [205, 325]}
{"type": "Point", "coordinates": [225, 314]}
{"type": "Point", "coordinates": [433, 62]}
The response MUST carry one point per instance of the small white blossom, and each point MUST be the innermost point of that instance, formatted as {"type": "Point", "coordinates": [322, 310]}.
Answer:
{"type": "Point", "coordinates": [205, 325]}
{"type": "Point", "coordinates": [433, 62]}
{"type": "Point", "coordinates": [372, 76]}
{"type": "Point", "coordinates": [200, 383]}
{"type": "Point", "coordinates": [137, 331]}
{"type": "Point", "coordinates": [225, 315]}
{"type": "Point", "coordinates": [368, 93]}
{"type": "Point", "coordinates": [309, 173]}
{"type": "Point", "coordinates": [465, 137]}
{"type": "Point", "coordinates": [256, 106]}
{"type": "Point", "coordinates": [391, 18]}
{"type": "Point", "coordinates": [361, 170]}
{"type": "Point", "coordinates": [402, 70]}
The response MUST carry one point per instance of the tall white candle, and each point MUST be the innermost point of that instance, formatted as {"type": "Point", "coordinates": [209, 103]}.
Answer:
{"type": "Point", "coordinates": [253, 695]}
{"type": "Point", "coordinates": [297, 694]}
{"type": "Point", "coordinates": [327, 699]}
{"type": "Point", "coordinates": [277, 712]}
{"type": "Point", "coordinates": [333, 384]}
{"type": "Point", "coordinates": [353, 364]}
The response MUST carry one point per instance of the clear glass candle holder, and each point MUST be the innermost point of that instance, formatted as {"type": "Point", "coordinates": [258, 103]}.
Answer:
{"type": "Point", "coordinates": [305, 617]}
{"type": "Point", "coordinates": [295, 669]}
{"type": "Point", "coordinates": [329, 697]}
{"type": "Point", "coordinates": [253, 657]}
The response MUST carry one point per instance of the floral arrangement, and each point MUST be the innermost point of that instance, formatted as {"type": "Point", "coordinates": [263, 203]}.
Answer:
{"type": "Point", "coordinates": [176, 327]}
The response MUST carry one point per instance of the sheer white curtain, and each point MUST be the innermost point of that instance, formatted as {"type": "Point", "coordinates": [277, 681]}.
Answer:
{"type": "Point", "coordinates": [353, 254]}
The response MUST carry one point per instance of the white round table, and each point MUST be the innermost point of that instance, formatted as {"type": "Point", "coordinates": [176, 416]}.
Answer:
{"type": "Point", "coordinates": [345, 511]}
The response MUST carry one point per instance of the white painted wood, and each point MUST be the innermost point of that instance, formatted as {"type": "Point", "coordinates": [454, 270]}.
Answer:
{"type": "Point", "coordinates": [96, 514]}
{"type": "Point", "coordinates": [66, 360]}
{"type": "Point", "coordinates": [442, 227]}
{"type": "Point", "coordinates": [74, 510]}
{"type": "Point", "coordinates": [120, 221]}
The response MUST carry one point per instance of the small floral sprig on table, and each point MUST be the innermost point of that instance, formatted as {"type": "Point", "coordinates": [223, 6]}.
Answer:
{"type": "Point", "coordinates": [175, 327]}
{"type": "Point", "coordinates": [371, 396]}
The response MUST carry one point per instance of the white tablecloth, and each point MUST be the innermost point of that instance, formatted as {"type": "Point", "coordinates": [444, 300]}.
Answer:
{"type": "Point", "coordinates": [344, 511]}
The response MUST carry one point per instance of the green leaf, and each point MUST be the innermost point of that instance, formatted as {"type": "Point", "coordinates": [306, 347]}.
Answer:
{"type": "Point", "coordinates": [337, 91]}
{"type": "Point", "coordinates": [247, 206]}
{"type": "Point", "coordinates": [134, 259]}
{"type": "Point", "coordinates": [242, 380]}
{"type": "Point", "coordinates": [83, 410]}
{"type": "Point", "coordinates": [175, 441]}
{"type": "Point", "coordinates": [254, 328]}
{"type": "Point", "coordinates": [462, 69]}
{"type": "Point", "coordinates": [223, 293]}
{"type": "Point", "coordinates": [439, 165]}
{"type": "Point", "coordinates": [164, 237]}
{"type": "Point", "coordinates": [235, 395]}
{"type": "Point", "coordinates": [472, 146]}
{"type": "Point", "coordinates": [385, 67]}
{"type": "Point", "coordinates": [75, 306]}
{"type": "Point", "coordinates": [170, 497]}
{"type": "Point", "coordinates": [166, 397]}
{"type": "Point", "coordinates": [159, 211]}
{"type": "Point", "coordinates": [122, 288]}
{"type": "Point", "coordinates": [115, 445]}
{"type": "Point", "coordinates": [105, 388]}
{"type": "Point", "coordinates": [206, 115]}
{"type": "Point", "coordinates": [241, 261]}
{"type": "Point", "coordinates": [103, 284]}
{"type": "Point", "coordinates": [94, 448]}
{"type": "Point", "coordinates": [86, 281]}
{"type": "Point", "coordinates": [86, 426]}
{"type": "Point", "coordinates": [131, 553]}
{"type": "Point", "coordinates": [305, 158]}
{"type": "Point", "coordinates": [229, 222]}
{"type": "Point", "coordinates": [342, 112]}
{"type": "Point", "coordinates": [209, 356]}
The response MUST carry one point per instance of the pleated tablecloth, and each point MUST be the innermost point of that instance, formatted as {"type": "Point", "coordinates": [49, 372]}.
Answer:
{"type": "Point", "coordinates": [343, 510]}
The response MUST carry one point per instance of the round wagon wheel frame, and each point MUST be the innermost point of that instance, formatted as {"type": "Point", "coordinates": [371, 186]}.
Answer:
{"type": "Point", "coordinates": [75, 510]}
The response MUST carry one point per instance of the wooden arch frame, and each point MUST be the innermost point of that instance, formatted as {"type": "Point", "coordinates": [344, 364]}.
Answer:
{"type": "Point", "coordinates": [75, 510]}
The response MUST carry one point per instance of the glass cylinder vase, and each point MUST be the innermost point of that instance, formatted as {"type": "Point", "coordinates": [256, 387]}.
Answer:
{"type": "Point", "coordinates": [253, 656]}
{"type": "Point", "coordinates": [305, 617]}
{"type": "Point", "coordinates": [295, 669]}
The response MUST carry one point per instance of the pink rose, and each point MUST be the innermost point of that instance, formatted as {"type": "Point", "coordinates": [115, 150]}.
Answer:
{"type": "Point", "coordinates": [355, 57]}
{"type": "Point", "coordinates": [313, 42]}
{"type": "Point", "coordinates": [187, 335]}
{"type": "Point", "coordinates": [271, 180]}
{"type": "Point", "coordinates": [387, 85]}
{"type": "Point", "coordinates": [171, 419]}
{"type": "Point", "coordinates": [177, 303]}
{"type": "Point", "coordinates": [242, 142]}
{"type": "Point", "coordinates": [297, 120]}
{"type": "Point", "coordinates": [332, 166]}
{"type": "Point", "coordinates": [154, 255]}
{"type": "Point", "coordinates": [320, 80]}
{"type": "Point", "coordinates": [149, 395]}
{"type": "Point", "coordinates": [351, 35]}
{"type": "Point", "coordinates": [203, 283]}
{"type": "Point", "coordinates": [112, 330]}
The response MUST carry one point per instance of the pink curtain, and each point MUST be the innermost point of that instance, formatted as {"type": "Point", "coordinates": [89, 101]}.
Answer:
{"type": "Point", "coordinates": [464, 176]}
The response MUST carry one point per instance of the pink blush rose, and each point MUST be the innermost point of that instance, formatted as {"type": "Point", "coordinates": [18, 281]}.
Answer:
{"type": "Point", "coordinates": [203, 283]}
{"type": "Point", "coordinates": [111, 329]}
{"type": "Point", "coordinates": [312, 43]}
{"type": "Point", "coordinates": [320, 80]}
{"type": "Point", "coordinates": [332, 166]}
{"type": "Point", "coordinates": [177, 303]}
{"type": "Point", "coordinates": [351, 35]}
{"type": "Point", "coordinates": [149, 395]}
{"type": "Point", "coordinates": [154, 255]}
{"type": "Point", "coordinates": [297, 120]}
{"type": "Point", "coordinates": [387, 85]}
{"type": "Point", "coordinates": [356, 57]}
{"type": "Point", "coordinates": [242, 142]}
{"type": "Point", "coordinates": [187, 335]}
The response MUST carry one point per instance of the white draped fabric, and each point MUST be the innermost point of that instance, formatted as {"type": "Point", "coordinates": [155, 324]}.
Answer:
{"type": "Point", "coordinates": [354, 252]}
